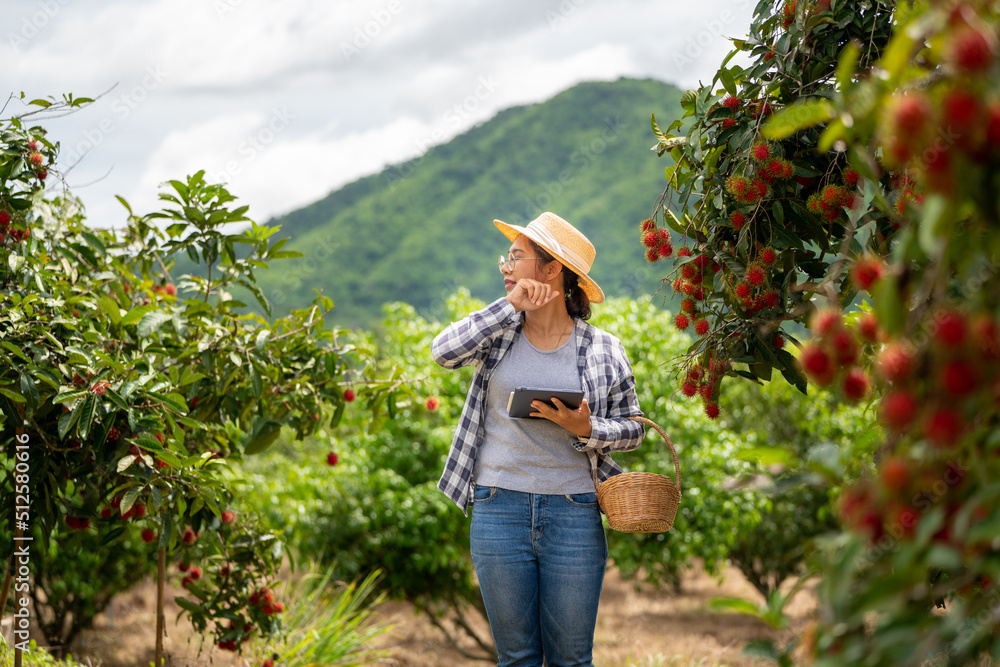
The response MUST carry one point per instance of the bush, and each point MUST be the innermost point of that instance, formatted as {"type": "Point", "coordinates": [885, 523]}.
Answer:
{"type": "Point", "coordinates": [784, 429]}
{"type": "Point", "coordinates": [379, 507]}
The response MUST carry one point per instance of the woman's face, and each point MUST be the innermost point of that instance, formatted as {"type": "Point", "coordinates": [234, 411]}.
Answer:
{"type": "Point", "coordinates": [526, 263]}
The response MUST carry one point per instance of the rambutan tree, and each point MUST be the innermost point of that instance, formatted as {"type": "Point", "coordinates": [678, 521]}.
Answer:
{"type": "Point", "coordinates": [125, 392]}
{"type": "Point", "coordinates": [882, 238]}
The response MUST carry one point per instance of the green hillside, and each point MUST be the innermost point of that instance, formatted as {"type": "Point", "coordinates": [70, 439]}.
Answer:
{"type": "Point", "coordinates": [418, 230]}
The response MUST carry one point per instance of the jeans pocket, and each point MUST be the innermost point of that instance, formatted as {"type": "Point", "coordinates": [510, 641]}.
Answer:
{"type": "Point", "coordinates": [581, 499]}
{"type": "Point", "coordinates": [483, 494]}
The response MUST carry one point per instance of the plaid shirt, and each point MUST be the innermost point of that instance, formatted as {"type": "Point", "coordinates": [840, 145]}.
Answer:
{"type": "Point", "coordinates": [482, 338]}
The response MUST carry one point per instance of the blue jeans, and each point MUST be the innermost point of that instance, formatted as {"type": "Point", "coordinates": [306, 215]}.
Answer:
{"type": "Point", "coordinates": [540, 561]}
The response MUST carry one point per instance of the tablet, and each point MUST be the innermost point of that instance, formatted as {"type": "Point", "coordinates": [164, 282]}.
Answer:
{"type": "Point", "coordinates": [519, 404]}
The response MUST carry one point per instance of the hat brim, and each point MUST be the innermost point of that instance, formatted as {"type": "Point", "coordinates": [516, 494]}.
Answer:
{"type": "Point", "coordinates": [587, 284]}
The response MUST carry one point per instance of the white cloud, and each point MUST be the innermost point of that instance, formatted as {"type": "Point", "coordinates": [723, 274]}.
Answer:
{"type": "Point", "coordinates": [424, 72]}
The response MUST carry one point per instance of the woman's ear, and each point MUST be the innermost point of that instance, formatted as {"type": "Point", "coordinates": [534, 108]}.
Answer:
{"type": "Point", "coordinates": [553, 269]}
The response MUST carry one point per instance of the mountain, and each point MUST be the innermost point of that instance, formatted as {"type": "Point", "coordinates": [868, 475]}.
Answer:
{"type": "Point", "coordinates": [418, 230]}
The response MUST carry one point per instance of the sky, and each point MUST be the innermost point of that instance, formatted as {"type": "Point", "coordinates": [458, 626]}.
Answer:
{"type": "Point", "coordinates": [288, 100]}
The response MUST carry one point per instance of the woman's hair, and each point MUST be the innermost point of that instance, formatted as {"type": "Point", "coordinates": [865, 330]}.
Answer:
{"type": "Point", "coordinates": [577, 302]}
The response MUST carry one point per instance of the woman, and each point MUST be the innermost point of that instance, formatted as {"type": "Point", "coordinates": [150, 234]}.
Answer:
{"type": "Point", "coordinates": [537, 539]}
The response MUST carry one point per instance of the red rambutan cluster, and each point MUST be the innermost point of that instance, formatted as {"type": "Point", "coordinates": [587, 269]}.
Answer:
{"type": "Point", "coordinates": [939, 387]}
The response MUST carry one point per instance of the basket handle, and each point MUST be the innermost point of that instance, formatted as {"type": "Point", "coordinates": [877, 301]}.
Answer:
{"type": "Point", "coordinates": [673, 452]}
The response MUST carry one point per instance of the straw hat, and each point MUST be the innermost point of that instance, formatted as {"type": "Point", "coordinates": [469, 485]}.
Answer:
{"type": "Point", "coordinates": [564, 242]}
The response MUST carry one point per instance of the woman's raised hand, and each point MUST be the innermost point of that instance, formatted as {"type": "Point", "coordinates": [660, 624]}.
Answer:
{"type": "Point", "coordinates": [528, 294]}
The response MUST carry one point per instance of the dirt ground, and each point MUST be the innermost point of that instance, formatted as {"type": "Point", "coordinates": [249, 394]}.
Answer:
{"type": "Point", "coordinates": [637, 626]}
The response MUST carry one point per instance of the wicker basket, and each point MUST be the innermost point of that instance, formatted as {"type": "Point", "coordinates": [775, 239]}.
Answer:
{"type": "Point", "coordinates": [641, 502]}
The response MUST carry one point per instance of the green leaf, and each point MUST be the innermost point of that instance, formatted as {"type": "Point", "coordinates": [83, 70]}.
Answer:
{"type": "Point", "coordinates": [151, 323]}
{"type": "Point", "coordinates": [798, 116]}
{"type": "Point", "coordinates": [129, 499]}
{"type": "Point", "coordinates": [110, 308]}
{"type": "Point", "coordinates": [12, 395]}
{"type": "Point", "coordinates": [767, 455]}
{"type": "Point", "coordinates": [263, 436]}
{"type": "Point", "coordinates": [125, 461]}
{"type": "Point", "coordinates": [87, 409]}
{"type": "Point", "coordinates": [889, 306]}
{"type": "Point", "coordinates": [848, 65]}
{"type": "Point", "coordinates": [728, 82]}
{"type": "Point", "coordinates": [185, 603]}
{"type": "Point", "coordinates": [136, 314]}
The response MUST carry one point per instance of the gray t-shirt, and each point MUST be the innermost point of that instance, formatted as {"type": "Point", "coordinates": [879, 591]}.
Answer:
{"type": "Point", "coordinates": [529, 454]}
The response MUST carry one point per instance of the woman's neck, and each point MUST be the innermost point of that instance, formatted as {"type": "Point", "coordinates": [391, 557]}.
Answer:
{"type": "Point", "coordinates": [552, 319]}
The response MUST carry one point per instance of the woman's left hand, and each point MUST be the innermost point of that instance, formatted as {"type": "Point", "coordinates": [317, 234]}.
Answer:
{"type": "Point", "coordinates": [575, 421]}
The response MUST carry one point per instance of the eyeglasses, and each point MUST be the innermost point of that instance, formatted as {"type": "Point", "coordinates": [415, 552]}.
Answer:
{"type": "Point", "coordinates": [511, 261]}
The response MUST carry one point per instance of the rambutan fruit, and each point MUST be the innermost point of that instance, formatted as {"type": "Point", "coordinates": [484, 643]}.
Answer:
{"type": "Point", "coordinates": [701, 327]}
{"type": "Point", "coordinates": [855, 384]}
{"type": "Point", "coordinates": [959, 377]}
{"type": "Point", "coordinates": [681, 321]}
{"type": "Point", "coordinates": [743, 290]}
{"type": "Point", "coordinates": [688, 305]}
{"type": "Point", "coordinates": [760, 152]}
{"type": "Point", "coordinates": [666, 249]}
{"type": "Point", "coordinates": [684, 252]}
{"type": "Point", "coordinates": [950, 328]}
{"type": "Point", "coordinates": [845, 348]}
{"type": "Point", "coordinates": [712, 410]}
{"type": "Point", "coordinates": [148, 535]}
{"type": "Point", "coordinates": [961, 110]}
{"type": "Point", "coordinates": [689, 389]}
{"type": "Point", "coordinates": [898, 409]}
{"type": "Point", "coordinates": [755, 274]}
{"type": "Point", "coordinates": [894, 473]}
{"type": "Point", "coordinates": [816, 363]}
{"type": "Point", "coordinates": [831, 194]}
{"type": "Point", "coordinates": [866, 271]}
{"type": "Point", "coordinates": [868, 327]}
{"type": "Point", "coordinates": [652, 254]}
{"type": "Point", "coordinates": [908, 115]}
{"type": "Point", "coordinates": [738, 218]}
{"type": "Point", "coordinates": [971, 49]}
{"type": "Point", "coordinates": [767, 256]}
{"type": "Point", "coordinates": [851, 177]}
{"type": "Point", "coordinates": [943, 427]}
{"type": "Point", "coordinates": [651, 239]}
{"type": "Point", "coordinates": [738, 186]}
{"type": "Point", "coordinates": [825, 321]}
{"type": "Point", "coordinates": [732, 103]}
{"type": "Point", "coordinates": [895, 362]}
